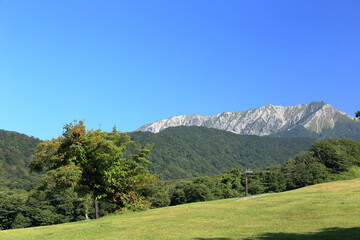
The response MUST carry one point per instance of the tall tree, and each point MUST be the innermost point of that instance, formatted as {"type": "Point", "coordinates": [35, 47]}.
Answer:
{"type": "Point", "coordinates": [106, 165]}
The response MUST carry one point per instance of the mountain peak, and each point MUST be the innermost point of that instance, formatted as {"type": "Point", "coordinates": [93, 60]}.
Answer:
{"type": "Point", "coordinates": [266, 120]}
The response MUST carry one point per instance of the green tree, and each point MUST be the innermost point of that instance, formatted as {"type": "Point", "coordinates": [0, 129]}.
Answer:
{"type": "Point", "coordinates": [105, 165]}
{"type": "Point", "coordinates": [157, 195]}
{"type": "Point", "coordinates": [337, 154]}
{"type": "Point", "coordinates": [357, 114]}
{"type": "Point", "coordinates": [304, 170]}
{"type": "Point", "coordinates": [20, 221]}
{"type": "Point", "coordinates": [274, 179]}
{"type": "Point", "coordinates": [11, 203]}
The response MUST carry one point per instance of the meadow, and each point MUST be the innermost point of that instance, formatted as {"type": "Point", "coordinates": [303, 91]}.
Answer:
{"type": "Point", "coordinates": [323, 211]}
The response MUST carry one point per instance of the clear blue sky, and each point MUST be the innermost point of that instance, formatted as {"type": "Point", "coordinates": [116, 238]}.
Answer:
{"type": "Point", "coordinates": [128, 63]}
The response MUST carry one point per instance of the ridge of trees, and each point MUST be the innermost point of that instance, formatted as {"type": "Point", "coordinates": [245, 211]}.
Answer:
{"type": "Point", "coordinates": [186, 152]}
{"type": "Point", "coordinates": [56, 199]}
{"type": "Point", "coordinates": [16, 152]}
{"type": "Point", "coordinates": [79, 167]}
{"type": "Point", "coordinates": [328, 160]}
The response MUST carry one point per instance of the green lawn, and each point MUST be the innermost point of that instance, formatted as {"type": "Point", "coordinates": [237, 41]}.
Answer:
{"type": "Point", "coordinates": [325, 211]}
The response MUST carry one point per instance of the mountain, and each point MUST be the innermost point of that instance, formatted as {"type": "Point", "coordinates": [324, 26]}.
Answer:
{"type": "Point", "coordinates": [317, 119]}
{"type": "Point", "coordinates": [177, 152]}
{"type": "Point", "coordinates": [185, 152]}
{"type": "Point", "coordinates": [16, 151]}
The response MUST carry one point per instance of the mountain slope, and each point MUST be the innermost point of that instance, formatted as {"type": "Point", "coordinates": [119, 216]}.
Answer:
{"type": "Point", "coordinates": [16, 151]}
{"type": "Point", "coordinates": [183, 152]}
{"type": "Point", "coordinates": [317, 119]}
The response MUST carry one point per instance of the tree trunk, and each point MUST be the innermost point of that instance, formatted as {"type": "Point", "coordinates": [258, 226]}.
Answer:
{"type": "Point", "coordinates": [246, 185]}
{"type": "Point", "coordinates": [96, 208]}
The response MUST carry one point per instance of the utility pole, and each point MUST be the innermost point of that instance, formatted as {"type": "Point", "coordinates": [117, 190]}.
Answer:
{"type": "Point", "coordinates": [246, 173]}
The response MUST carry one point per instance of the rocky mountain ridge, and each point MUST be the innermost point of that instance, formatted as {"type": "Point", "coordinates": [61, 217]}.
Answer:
{"type": "Point", "coordinates": [315, 117]}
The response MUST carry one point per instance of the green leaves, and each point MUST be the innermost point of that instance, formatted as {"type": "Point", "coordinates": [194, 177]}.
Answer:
{"type": "Point", "coordinates": [337, 154]}
{"type": "Point", "coordinates": [104, 164]}
{"type": "Point", "coordinates": [63, 177]}
{"type": "Point", "coordinates": [185, 152]}
{"type": "Point", "coordinates": [16, 151]}
{"type": "Point", "coordinates": [357, 114]}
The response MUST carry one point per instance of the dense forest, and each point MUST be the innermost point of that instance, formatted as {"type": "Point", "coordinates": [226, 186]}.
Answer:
{"type": "Point", "coordinates": [328, 160]}
{"type": "Point", "coordinates": [177, 153]}
{"type": "Point", "coordinates": [185, 152]}
{"type": "Point", "coordinates": [26, 201]}
{"type": "Point", "coordinates": [16, 152]}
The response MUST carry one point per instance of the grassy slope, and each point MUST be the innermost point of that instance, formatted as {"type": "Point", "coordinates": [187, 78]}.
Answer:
{"type": "Point", "coordinates": [324, 211]}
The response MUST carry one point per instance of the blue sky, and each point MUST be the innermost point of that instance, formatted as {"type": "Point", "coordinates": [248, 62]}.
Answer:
{"type": "Point", "coordinates": [128, 63]}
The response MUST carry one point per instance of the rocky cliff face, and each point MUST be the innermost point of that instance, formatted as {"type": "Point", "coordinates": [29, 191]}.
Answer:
{"type": "Point", "coordinates": [266, 120]}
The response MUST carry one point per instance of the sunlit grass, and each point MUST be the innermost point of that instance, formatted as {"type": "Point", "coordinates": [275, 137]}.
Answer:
{"type": "Point", "coordinates": [300, 214]}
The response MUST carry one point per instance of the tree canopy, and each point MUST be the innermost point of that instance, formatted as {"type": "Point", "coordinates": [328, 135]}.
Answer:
{"type": "Point", "coordinates": [105, 165]}
{"type": "Point", "coordinates": [16, 151]}
{"type": "Point", "coordinates": [185, 152]}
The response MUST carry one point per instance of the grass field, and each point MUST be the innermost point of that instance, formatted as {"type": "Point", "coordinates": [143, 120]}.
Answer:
{"type": "Point", "coordinates": [326, 211]}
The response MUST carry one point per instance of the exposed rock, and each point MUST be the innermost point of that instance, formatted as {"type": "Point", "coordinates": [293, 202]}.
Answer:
{"type": "Point", "coordinates": [266, 120]}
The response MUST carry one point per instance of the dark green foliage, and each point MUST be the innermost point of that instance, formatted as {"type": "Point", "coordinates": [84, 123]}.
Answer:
{"type": "Point", "coordinates": [11, 203]}
{"type": "Point", "coordinates": [55, 201]}
{"type": "Point", "coordinates": [39, 207]}
{"type": "Point", "coordinates": [73, 164]}
{"type": "Point", "coordinates": [104, 165]}
{"type": "Point", "coordinates": [357, 114]}
{"type": "Point", "coordinates": [233, 179]}
{"type": "Point", "coordinates": [337, 154]}
{"type": "Point", "coordinates": [49, 206]}
{"type": "Point", "coordinates": [201, 189]}
{"type": "Point", "coordinates": [326, 160]}
{"type": "Point", "coordinates": [178, 195]}
{"type": "Point", "coordinates": [157, 195]}
{"type": "Point", "coordinates": [21, 221]}
{"type": "Point", "coordinates": [166, 193]}
{"type": "Point", "coordinates": [274, 179]}
{"type": "Point", "coordinates": [298, 131]}
{"type": "Point", "coordinates": [45, 208]}
{"type": "Point", "coordinates": [185, 152]}
{"type": "Point", "coordinates": [311, 167]}
{"type": "Point", "coordinates": [16, 151]}
{"type": "Point", "coordinates": [300, 174]}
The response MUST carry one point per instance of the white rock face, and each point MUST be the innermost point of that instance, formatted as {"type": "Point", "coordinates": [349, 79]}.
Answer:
{"type": "Point", "coordinates": [266, 120]}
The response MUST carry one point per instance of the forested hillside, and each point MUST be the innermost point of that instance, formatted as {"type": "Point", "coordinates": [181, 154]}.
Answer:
{"type": "Point", "coordinates": [184, 152]}
{"type": "Point", "coordinates": [15, 154]}
{"type": "Point", "coordinates": [325, 161]}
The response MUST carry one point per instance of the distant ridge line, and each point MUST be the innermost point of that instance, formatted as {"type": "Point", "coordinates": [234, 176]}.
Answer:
{"type": "Point", "coordinates": [267, 120]}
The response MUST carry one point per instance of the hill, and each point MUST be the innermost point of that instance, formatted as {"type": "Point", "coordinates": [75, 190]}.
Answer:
{"type": "Point", "coordinates": [15, 154]}
{"type": "Point", "coordinates": [184, 152]}
{"type": "Point", "coordinates": [324, 211]}
{"type": "Point", "coordinates": [317, 119]}
{"type": "Point", "coordinates": [181, 152]}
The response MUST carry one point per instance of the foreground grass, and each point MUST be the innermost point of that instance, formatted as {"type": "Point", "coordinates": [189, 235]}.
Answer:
{"type": "Point", "coordinates": [324, 211]}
